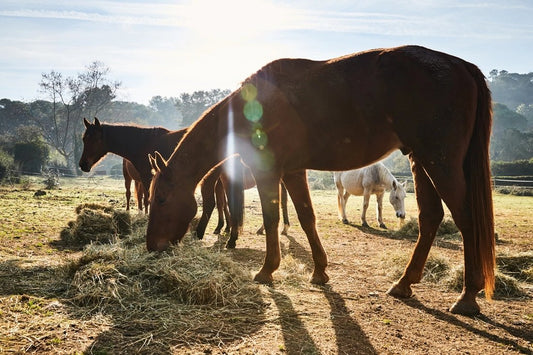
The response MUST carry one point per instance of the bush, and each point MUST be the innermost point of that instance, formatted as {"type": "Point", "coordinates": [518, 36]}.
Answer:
{"type": "Point", "coordinates": [31, 155]}
{"type": "Point", "coordinates": [513, 168]}
{"type": "Point", "coordinates": [6, 164]}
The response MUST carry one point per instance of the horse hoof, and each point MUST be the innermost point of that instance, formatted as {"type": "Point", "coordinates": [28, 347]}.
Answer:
{"type": "Point", "coordinates": [345, 221]}
{"type": "Point", "coordinates": [264, 278]}
{"type": "Point", "coordinates": [319, 278]}
{"type": "Point", "coordinates": [465, 308]}
{"type": "Point", "coordinates": [382, 225]}
{"type": "Point", "coordinates": [365, 225]}
{"type": "Point", "coordinates": [231, 244]}
{"type": "Point", "coordinates": [216, 231]}
{"type": "Point", "coordinates": [399, 291]}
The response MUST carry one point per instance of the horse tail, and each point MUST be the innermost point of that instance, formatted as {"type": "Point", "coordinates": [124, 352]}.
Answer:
{"type": "Point", "coordinates": [478, 177]}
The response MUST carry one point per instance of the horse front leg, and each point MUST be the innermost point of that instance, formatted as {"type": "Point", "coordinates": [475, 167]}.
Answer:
{"type": "Point", "coordinates": [379, 209]}
{"type": "Point", "coordinates": [430, 214]}
{"type": "Point", "coordinates": [298, 188]}
{"type": "Point", "coordinates": [341, 203]}
{"type": "Point", "coordinates": [268, 188]}
{"type": "Point", "coordinates": [127, 185]}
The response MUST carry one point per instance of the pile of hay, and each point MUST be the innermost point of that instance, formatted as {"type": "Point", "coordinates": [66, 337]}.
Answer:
{"type": "Point", "coordinates": [96, 223]}
{"type": "Point", "coordinates": [439, 270]}
{"type": "Point", "coordinates": [519, 266]}
{"type": "Point", "coordinates": [410, 229]}
{"type": "Point", "coordinates": [187, 295]}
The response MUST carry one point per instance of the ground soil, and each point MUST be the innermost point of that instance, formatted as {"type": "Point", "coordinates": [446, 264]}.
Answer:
{"type": "Point", "coordinates": [351, 315]}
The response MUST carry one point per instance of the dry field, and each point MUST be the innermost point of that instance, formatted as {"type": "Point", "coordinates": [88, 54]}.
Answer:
{"type": "Point", "coordinates": [198, 298]}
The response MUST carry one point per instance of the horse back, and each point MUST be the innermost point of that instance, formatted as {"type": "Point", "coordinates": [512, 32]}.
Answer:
{"type": "Point", "coordinates": [351, 111]}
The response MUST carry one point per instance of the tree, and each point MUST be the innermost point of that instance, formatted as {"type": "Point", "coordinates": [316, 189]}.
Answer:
{"type": "Point", "coordinates": [526, 111]}
{"type": "Point", "coordinates": [511, 89]}
{"type": "Point", "coordinates": [71, 100]}
{"type": "Point", "coordinates": [193, 105]}
{"type": "Point", "coordinates": [30, 150]}
{"type": "Point", "coordinates": [505, 119]}
{"type": "Point", "coordinates": [165, 112]}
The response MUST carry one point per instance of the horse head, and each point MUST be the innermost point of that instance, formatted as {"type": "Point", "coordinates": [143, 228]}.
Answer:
{"type": "Point", "coordinates": [397, 197]}
{"type": "Point", "coordinates": [172, 207]}
{"type": "Point", "coordinates": [93, 145]}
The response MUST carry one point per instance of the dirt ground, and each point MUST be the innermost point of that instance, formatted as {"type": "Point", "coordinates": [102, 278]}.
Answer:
{"type": "Point", "coordinates": [351, 315]}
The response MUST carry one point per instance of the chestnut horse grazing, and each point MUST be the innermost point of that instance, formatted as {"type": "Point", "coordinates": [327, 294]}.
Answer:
{"type": "Point", "coordinates": [134, 143]}
{"type": "Point", "coordinates": [342, 114]}
{"type": "Point", "coordinates": [373, 179]}
{"type": "Point", "coordinates": [131, 174]}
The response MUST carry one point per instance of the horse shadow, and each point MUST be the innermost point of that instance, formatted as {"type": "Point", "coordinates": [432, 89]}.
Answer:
{"type": "Point", "coordinates": [452, 319]}
{"type": "Point", "coordinates": [440, 240]}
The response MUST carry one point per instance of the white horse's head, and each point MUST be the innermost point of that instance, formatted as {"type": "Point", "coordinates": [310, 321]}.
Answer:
{"type": "Point", "coordinates": [397, 197]}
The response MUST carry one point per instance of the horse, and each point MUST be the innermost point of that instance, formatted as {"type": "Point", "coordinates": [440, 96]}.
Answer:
{"type": "Point", "coordinates": [374, 179]}
{"type": "Point", "coordinates": [131, 174]}
{"type": "Point", "coordinates": [134, 143]}
{"type": "Point", "coordinates": [248, 183]}
{"type": "Point", "coordinates": [342, 114]}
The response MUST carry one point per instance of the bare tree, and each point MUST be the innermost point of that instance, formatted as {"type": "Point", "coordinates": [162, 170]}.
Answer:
{"type": "Point", "coordinates": [72, 99]}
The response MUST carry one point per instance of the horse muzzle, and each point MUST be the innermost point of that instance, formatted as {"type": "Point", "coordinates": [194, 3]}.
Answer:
{"type": "Point", "coordinates": [400, 215]}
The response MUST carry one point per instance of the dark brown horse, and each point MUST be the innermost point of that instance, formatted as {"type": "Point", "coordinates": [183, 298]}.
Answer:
{"type": "Point", "coordinates": [131, 174]}
{"type": "Point", "coordinates": [134, 143]}
{"type": "Point", "coordinates": [248, 183]}
{"type": "Point", "coordinates": [341, 114]}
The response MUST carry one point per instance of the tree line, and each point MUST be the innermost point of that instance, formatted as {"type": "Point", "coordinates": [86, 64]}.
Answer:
{"type": "Point", "coordinates": [47, 131]}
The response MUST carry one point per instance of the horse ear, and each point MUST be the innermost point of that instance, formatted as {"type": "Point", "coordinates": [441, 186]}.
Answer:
{"type": "Point", "coordinates": [96, 122]}
{"type": "Point", "coordinates": [394, 185]}
{"type": "Point", "coordinates": [160, 161]}
{"type": "Point", "coordinates": [86, 123]}
{"type": "Point", "coordinates": [157, 162]}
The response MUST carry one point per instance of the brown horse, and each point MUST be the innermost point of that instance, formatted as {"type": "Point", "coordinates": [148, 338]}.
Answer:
{"type": "Point", "coordinates": [341, 114]}
{"type": "Point", "coordinates": [248, 183]}
{"type": "Point", "coordinates": [134, 143]}
{"type": "Point", "coordinates": [131, 174]}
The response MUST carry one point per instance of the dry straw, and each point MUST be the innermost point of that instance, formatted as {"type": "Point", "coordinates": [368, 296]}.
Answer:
{"type": "Point", "coordinates": [188, 295]}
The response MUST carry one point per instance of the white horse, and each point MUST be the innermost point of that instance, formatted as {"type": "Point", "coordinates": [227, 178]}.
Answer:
{"type": "Point", "coordinates": [372, 179]}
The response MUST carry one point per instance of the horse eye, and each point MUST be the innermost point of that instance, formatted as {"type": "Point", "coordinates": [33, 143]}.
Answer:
{"type": "Point", "coordinates": [161, 199]}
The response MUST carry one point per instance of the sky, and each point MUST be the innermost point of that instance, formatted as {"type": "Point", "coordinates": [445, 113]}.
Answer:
{"type": "Point", "coordinates": [164, 48]}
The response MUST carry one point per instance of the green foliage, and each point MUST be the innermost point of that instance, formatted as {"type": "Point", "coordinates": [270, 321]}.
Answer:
{"type": "Point", "coordinates": [31, 156]}
{"type": "Point", "coordinates": [513, 168]}
{"type": "Point", "coordinates": [193, 105]}
{"type": "Point", "coordinates": [511, 89]}
{"type": "Point", "coordinates": [6, 164]}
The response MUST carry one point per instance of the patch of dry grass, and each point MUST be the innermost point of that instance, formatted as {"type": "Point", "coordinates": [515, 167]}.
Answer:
{"type": "Point", "coordinates": [439, 270]}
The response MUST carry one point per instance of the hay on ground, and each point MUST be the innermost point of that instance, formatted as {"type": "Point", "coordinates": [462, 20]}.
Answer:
{"type": "Point", "coordinates": [410, 229]}
{"type": "Point", "coordinates": [96, 223]}
{"type": "Point", "coordinates": [519, 266]}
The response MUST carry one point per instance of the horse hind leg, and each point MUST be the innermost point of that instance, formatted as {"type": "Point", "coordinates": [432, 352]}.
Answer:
{"type": "Point", "coordinates": [452, 187]}
{"type": "Point", "coordinates": [430, 214]}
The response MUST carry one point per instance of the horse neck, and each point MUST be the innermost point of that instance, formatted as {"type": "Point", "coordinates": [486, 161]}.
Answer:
{"type": "Point", "coordinates": [387, 178]}
{"type": "Point", "coordinates": [127, 141]}
{"type": "Point", "coordinates": [201, 148]}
